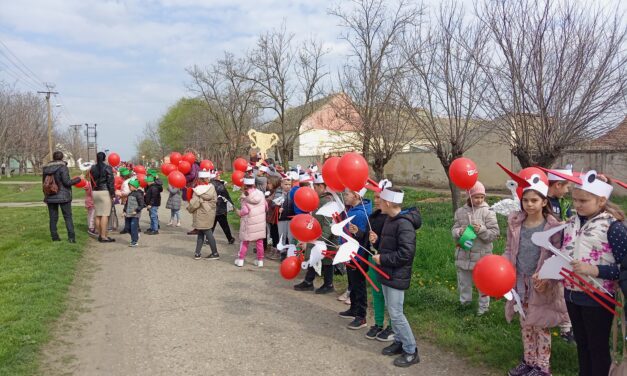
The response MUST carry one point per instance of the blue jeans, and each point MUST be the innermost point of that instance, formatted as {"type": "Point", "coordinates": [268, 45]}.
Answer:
{"type": "Point", "coordinates": [154, 218]}
{"type": "Point", "coordinates": [175, 216]}
{"type": "Point", "coordinates": [133, 225]}
{"type": "Point", "coordinates": [402, 331]}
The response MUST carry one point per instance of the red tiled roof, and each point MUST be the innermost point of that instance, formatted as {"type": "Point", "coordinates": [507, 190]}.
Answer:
{"type": "Point", "coordinates": [616, 138]}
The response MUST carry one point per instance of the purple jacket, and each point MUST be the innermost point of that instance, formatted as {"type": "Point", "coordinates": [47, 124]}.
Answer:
{"type": "Point", "coordinates": [546, 309]}
{"type": "Point", "coordinates": [192, 175]}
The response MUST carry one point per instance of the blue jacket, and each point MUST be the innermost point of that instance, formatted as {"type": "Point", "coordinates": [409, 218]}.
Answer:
{"type": "Point", "coordinates": [361, 213]}
{"type": "Point", "coordinates": [296, 208]}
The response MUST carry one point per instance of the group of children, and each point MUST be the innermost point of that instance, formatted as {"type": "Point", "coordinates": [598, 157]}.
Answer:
{"type": "Point", "coordinates": [595, 238]}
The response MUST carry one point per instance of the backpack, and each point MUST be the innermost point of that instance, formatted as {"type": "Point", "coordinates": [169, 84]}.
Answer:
{"type": "Point", "coordinates": [50, 186]}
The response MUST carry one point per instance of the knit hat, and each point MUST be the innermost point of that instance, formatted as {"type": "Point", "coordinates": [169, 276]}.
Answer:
{"type": "Point", "coordinates": [477, 189]}
{"type": "Point", "coordinates": [134, 183]}
{"type": "Point", "coordinates": [150, 179]}
{"type": "Point", "coordinates": [124, 171]}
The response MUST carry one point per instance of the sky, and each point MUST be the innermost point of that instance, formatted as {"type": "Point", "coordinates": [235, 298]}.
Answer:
{"type": "Point", "coordinates": [121, 64]}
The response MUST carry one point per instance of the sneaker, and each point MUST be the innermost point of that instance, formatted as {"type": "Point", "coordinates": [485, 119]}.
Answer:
{"type": "Point", "coordinates": [568, 336]}
{"type": "Point", "coordinates": [406, 360]}
{"type": "Point", "coordinates": [358, 323]}
{"type": "Point", "coordinates": [258, 263]}
{"type": "Point", "coordinates": [133, 244]}
{"type": "Point", "coordinates": [386, 335]}
{"type": "Point", "coordinates": [169, 223]}
{"type": "Point", "coordinates": [197, 256]}
{"type": "Point", "coordinates": [520, 370]}
{"type": "Point", "coordinates": [304, 286]}
{"type": "Point", "coordinates": [325, 289]}
{"type": "Point", "coordinates": [178, 224]}
{"type": "Point", "coordinates": [537, 372]}
{"type": "Point", "coordinates": [347, 301]}
{"type": "Point", "coordinates": [374, 330]}
{"type": "Point", "coordinates": [232, 240]}
{"type": "Point", "coordinates": [344, 296]}
{"type": "Point", "coordinates": [394, 349]}
{"type": "Point", "coordinates": [482, 312]}
{"type": "Point", "coordinates": [239, 262]}
{"type": "Point", "coordinates": [92, 232]}
{"type": "Point", "coordinates": [347, 314]}
{"type": "Point", "coordinates": [71, 240]}
{"type": "Point", "coordinates": [148, 232]}
{"type": "Point", "coordinates": [213, 256]}
{"type": "Point", "coordinates": [152, 232]}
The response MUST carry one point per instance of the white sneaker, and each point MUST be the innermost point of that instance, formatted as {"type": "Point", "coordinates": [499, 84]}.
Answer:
{"type": "Point", "coordinates": [169, 223]}
{"type": "Point", "coordinates": [178, 224]}
{"type": "Point", "coordinates": [258, 263]}
{"type": "Point", "coordinates": [239, 262]}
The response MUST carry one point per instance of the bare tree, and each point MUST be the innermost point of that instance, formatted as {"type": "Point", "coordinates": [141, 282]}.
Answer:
{"type": "Point", "coordinates": [232, 99]}
{"type": "Point", "coordinates": [6, 125]}
{"type": "Point", "coordinates": [287, 77]}
{"type": "Point", "coordinates": [447, 84]}
{"type": "Point", "coordinates": [558, 74]}
{"type": "Point", "coordinates": [73, 142]}
{"type": "Point", "coordinates": [376, 68]}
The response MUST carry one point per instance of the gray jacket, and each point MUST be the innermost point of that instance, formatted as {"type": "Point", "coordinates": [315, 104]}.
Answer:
{"type": "Point", "coordinates": [487, 234]}
{"type": "Point", "coordinates": [174, 199]}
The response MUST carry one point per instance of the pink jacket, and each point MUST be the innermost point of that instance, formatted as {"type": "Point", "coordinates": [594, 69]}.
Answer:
{"type": "Point", "coordinates": [546, 309]}
{"type": "Point", "coordinates": [253, 213]}
{"type": "Point", "coordinates": [89, 198]}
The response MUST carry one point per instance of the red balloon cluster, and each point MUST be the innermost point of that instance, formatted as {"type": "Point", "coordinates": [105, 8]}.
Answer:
{"type": "Point", "coordinates": [463, 173]}
{"type": "Point", "coordinates": [352, 170]}
{"type": "Point", "coordinates": [117, 182]}
{"type": "Point", "coordinates": [330, 176]}
{"type": "Point", "coordinates": [185, 167]}
{"type": "Point", "coordinates": [139, 169]}
{"type": "Point", "coordinates": [290, 267]}
{"type": "Point", "coordinates": [176, 179]}
{"type": "Point", "coordinates": [494, 276]}
{"type": "Point", "coordinates": [306, 199]}
{"type": "Point", "coordinates": [305, 228]}
{"type": "Point", "coordinates": [175, 158]}
{"type": "Point", "coordinates": [240, 164]}
{"type": "Point", "coordinates": [189, 157]}
{"type": "Point", "coordinates": [167, 168]}
{"type": "Point", "coordinates": [114, 159]}
{"type": "Point", "coordinates": [142, 180]}
{"type": "Point", "coordinates": [206, 165]}
{"type": "Point", "coordinates": [80, 184]}
{"type": "Point", "coordinates": [238, 178]}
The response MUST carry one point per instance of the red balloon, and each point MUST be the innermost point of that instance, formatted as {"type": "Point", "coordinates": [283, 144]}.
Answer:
{"type": "Point", "coordinates": [463, 173]}
{"type": "Point", "coordinates": [527, 173]}
{"type": "Point", "coordinates": [175, 158]}
{"type": "Point", "coordinates": [185, 167]}
{"type": "Point", "coordinates": [237, 178]}
{"type": "Point", "coordinates": [189, 157]}
{"type": "Point", "coordinates": [117, 182]}
{"type": "Point", "coordinates": [167, 168]}
{"type": "Point", "coordinates": [177, 179]}
{"type": "Point", "coordinates": [305, 228]}
{"type": "Point", "coordinates": [139, 169]}
{"type": "Point", "coordinates": [494, 275]}
{"type": "Point", "coordinates": [330, 176]}
{"type": "Point", "coordinates": [206, 165]}
{"type": "Point", "coordinates": [290, 267]}
{"type": "Point", "coordinates": [306, 199]}
{"type": "Point", "coordinates": [114, 159]}
{"type": "Point", "coordinates": [80, 184]}
{"type": "Point", "coordinates": [240, 164]}
{"type": "Point", "coordinates": [142, 180]}
{"type": "Point", "coordinates": [352, 170]}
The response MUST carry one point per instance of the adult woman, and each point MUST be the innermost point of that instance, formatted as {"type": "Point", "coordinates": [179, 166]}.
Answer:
{"type": "Point", "coordinates": [103, 193]}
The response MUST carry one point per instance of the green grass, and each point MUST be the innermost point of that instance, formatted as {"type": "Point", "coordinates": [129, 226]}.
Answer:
{"type": "Point", "coordinates": [35, 274]}
{"type": "Point", "coordinates": [29, 193]}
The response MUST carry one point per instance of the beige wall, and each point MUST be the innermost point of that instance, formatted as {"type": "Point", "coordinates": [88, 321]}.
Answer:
{"type": "Point", "coordinates": [610, 162]}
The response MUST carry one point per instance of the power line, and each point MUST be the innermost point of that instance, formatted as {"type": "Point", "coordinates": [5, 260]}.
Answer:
{"type": "Point", "coordinates": [17, 77]}
{"type": "Point", "coordinates": [25, 74]}
{"type": "Point", "coordinates": [32, 74]}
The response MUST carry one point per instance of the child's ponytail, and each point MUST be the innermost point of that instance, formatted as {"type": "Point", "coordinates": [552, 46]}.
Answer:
{"type": "Point", "coordinates": [615, 211]}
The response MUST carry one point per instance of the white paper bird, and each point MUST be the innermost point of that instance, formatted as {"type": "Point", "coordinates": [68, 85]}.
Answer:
{"type": "Point", "coordinates": [509, 205]}
{"type": "Point", "coordinates": [347, 249]}
{"type": "Point", "coordinates": [289, 248]}
{"type": "Point", "coordinates": [316, 256]}
{"type": "Point", "coordinates": [84, 166]}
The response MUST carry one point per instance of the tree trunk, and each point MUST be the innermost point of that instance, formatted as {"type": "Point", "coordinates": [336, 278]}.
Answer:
{"type": "Point", "coordinates": [454, 190]}
{"type": "Point", "coordinates": [379, 167]}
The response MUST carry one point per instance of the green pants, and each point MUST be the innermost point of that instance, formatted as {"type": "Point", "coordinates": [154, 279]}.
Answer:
{"type": "Point", "coordinates": [378, 301]}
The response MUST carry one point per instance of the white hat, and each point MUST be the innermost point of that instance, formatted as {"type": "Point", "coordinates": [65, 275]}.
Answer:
{"type": "Point", "coordinates": [552, 177]}
{"type": "Point", "coordinates": [263, 168]}
{"type": "Point", "coordinates": [391, 196]}
{"type": "Point", "coordinates": [249, 181]}
{"type": "Point", "coordinates": [318, 179]}
{"type": "Point", "coordinates": [589, 182]}
{"type": "Point", "coordinates": [304, 178]}
{"type": "Point", "coordinates": [204, 174]}
{"type": "Point", "coordinates": [385, 183]}
{"type": "Point", "coordinates": [362, 192]}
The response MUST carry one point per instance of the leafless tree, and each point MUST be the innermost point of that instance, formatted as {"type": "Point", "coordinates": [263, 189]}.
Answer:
{"type": "Point", "coordinates": [558, 74]}
{"type": "Point", "coordinates": [232, 99]}
{"type": "Point", "coordinates": [447, 84]}
{"type": "Point", "coordinates": [73, 141]}
{"type": "Point", "coordinates": [375, 69]}
{"type": "Point", "coordinates": [289, 79]}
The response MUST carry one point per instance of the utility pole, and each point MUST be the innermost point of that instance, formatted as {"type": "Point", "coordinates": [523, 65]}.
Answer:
{"type": "Point", "coordinates": [76, 141]}
{"type": "Point", "coordinates": [92, 139]}
{"type": "Point", "coordinates": [49, 86]}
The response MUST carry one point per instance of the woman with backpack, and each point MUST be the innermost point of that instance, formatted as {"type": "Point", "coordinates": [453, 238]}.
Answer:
{"type": "Point", "coordinates": [57, 187]}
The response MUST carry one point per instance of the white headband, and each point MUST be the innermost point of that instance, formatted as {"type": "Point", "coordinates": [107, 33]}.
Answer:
{"type": "Point", "coordinates": [249, 181]}
{"type": "Point", "coordinates": [385, 183]}
{"type": "Point", "coordinates": [318, 179]}
{"type": "Point", "coordinates": [537, 184]}
{"type": "Point", "coordinates": [553, 177]}
{"type": "Point", "coordinates": [204, 174]}
{"type": "Point", "coordinates": [391, 196]}
{"type": "Point", "coordinates": [264, 169]}
{"type": "Point", "coordinates": [590, 183]}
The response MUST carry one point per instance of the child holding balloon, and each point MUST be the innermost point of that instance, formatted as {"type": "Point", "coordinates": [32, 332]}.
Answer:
{"type": "Point", "coordinates": [542, 300]}
{"type": "Point", "coordinates": [474, 218]}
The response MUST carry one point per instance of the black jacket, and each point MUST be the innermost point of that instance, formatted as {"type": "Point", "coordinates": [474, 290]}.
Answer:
{"type": "Point", "coordinates": [103, 180]}
{"type": "Point", "coordinates": [221, 191]}
{"type": "Point", "coordinates": [377, 220]}
{"type": "Point", "coordinates": [397, 247]}
{"type": "Point", "coordinates": [62, 178]}
{"type": "Point", "coordinates": [153, 194]}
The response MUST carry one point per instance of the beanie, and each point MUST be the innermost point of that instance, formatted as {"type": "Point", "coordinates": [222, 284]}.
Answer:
{"type": "Point", "coordinates": [477, 189]}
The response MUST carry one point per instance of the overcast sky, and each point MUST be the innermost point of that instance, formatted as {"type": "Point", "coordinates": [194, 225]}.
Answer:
{"type": "Point", "coordinates": [121, 64]}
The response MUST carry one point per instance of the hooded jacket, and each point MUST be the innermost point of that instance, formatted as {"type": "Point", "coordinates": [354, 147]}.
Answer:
{"type": "Point", "coordinates": [223, 196]}
{"type": "Point", "coordinates": [153, 193]}
{"type": "Point", "coordinates": [203, 206]}
{"type": "Point", "coordinates": [253, 216]}
{"type": "Point", "coordinates": [488, 233]}
{"type": "Point", "coordinates": [397, 248]}
{"type": "Point", "coordinates": [62, 177]}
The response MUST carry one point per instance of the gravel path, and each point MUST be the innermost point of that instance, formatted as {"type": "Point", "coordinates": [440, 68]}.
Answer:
{"type": "Point", "coordinates": [154, 310]}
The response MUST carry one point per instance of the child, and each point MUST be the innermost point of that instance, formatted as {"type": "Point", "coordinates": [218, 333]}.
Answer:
{"type": "Point", "coordinates": [253, 223]}
{"type": "Point", "coordinates": [221, 207]}
{"type": "Point", "coordinates": [153, 201]}
{"type": "Point", "coordinates": [174, 204]}
{"type": "Point", "coordinates": [272, 217]}
{"type": "Point", "coordinates": [202, 206]}
{"type": "Point", "coordinates": [397, 248]}
{"type": "Point", "coordinates": [597, 240]}
{"type": "Point", "coordinates": [542, 300]}
{"type": "Point", "coordinates": [91, 210]}
{"type": "Point", "coordinates": [286, 212]}
{"type": "Point", "coordinates": [133, 206]}
{"type": "Point", "coordinates": [476, 213]}
{"type": "Point", "coordinates": [360, 209]}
